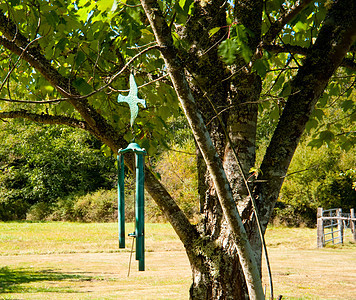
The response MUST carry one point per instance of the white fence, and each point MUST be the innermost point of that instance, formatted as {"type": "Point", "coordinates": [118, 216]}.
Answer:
{"type": "Point", "coordinates": [331, 224]}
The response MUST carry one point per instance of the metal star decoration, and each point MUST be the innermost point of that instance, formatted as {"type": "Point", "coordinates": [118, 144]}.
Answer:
{"type": "Point", "coordinates": [132, 100]}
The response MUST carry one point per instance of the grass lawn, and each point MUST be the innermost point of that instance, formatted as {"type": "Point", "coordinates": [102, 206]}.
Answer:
{"type": "Point", "coordinates": [82, 261]}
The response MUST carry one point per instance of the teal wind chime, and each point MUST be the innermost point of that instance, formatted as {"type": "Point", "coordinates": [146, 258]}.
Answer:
{"type": "Point", "coordinates": [133, 102]}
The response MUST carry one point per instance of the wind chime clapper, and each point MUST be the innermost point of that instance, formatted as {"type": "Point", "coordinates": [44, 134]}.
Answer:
{"type": "Point", "coordinates": [133, 102]}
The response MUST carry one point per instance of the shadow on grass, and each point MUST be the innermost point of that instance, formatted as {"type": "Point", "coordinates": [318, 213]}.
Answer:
{"type": "Point", "coordinates": [17, 280]}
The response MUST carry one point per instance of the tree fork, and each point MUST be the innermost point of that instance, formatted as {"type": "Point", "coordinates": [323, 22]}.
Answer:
{"type": "Point", "coordinates": [212, 160]}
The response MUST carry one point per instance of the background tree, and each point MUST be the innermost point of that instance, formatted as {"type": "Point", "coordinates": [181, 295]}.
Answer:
{"type": "Point", "coordinates": [222, 60]}
{"type": "Point", "coordinates": [41, 164]}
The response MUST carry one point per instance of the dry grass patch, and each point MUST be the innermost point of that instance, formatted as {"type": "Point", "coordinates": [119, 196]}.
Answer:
{"type": "Point", "coordinates": [301, 271]}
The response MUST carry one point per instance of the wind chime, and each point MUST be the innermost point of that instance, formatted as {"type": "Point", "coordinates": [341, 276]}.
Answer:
{"type": "Point", "coordinates": [133, 101]}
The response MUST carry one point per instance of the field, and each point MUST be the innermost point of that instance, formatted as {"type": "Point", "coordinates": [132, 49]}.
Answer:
{"type": "Point", "coordinates": [82, 261]}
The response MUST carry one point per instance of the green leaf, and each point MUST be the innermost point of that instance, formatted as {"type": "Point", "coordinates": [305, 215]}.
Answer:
{"type": "Point", "coordinates": [261, 67]}
{"type": "Point", "coordinates": [62, 44]}
{"type": "Point", "coordinates": [274, 115]}
{"type": "Point", "coordinates": [228, 49]}
{"type": "Point", "coordinates": [286, 90]}
{"type": "Point", "coordinates": [80, 57]}
{"type": "Point", "coordinates": [187, 6]}
{"type": "Point", "coordinates": [106, 150]}
{"type": "Point", "coordinates": [317, 143]}
{"type": "Point", "coordinates": [326, 136]}
{"type": "Point", "coordinates": [346, 105]}
{"type": "Point", "coordinates": [312, 123]}
{"type": "Point", "coordinates": [213, 31]}
{"type": "Point", "coordinates": [323, 100]}
{"type": "Point", "coordinates": [319, 114]}
{"type": "Point", "coordinates": [300, 26]}
{"type": "Point", "coordinates": [47, 89]}
{"type": "Point", "coordinates": [52, 18]}
{"type": "Point", "coordinates": [82, 86]}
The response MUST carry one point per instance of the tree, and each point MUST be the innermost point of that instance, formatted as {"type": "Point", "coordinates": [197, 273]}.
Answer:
{"type": "Point", "coordinates": [219, 58]}
{"type": "Point", "coordinates": [316, 178]}
{"type": "Point", "coordinates": [42, 163]}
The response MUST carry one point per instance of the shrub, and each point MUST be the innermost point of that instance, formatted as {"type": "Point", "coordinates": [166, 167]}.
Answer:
{"type": "Point", "coordinates": [100, 206]}
{"type": "Point", "coordinates": [320, 177]}
{"type": "Point", "coordinates": [38, 211]}
{"type": "Point", "coordinates": [177, 170]}
{"type": "Point", "coordinates": [40, 164]}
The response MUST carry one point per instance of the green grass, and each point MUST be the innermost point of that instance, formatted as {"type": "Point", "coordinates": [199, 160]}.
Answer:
{"type": "Point", "coordinates": [65, 237]}
{"type": "Point", "coordinates": [62, 260]}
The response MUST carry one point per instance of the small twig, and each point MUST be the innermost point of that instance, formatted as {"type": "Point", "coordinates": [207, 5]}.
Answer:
{"type": "Point", "coordinates": [218, 42]}
{"type": "Point", "coordinates": [112, 78]}
{"type": "Point", "coordinates": [300, 171]}
{"type": "Point", "coordinates": [220, 112]}
{"type": "Point", "coordinates": [139, 47]}
{"type": "Point", "coordinates": [180, 151]}
{"type": "Point", "coordinates": [343, 93]}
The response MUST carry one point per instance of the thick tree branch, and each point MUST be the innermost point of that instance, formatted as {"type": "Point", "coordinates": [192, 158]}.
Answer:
{"type": "Point", "coordinates": [213, 162]}
{"type": "Point", "coordinates": [34, 57]}
{"type": "Point", "coordinates": [33, 101]}
{"type": "Point", "coordinates": [284, 19]}
{"type": "Point", "coordinates": [334, 41]}
{"type": "Point", "coordinates": [44, 118]}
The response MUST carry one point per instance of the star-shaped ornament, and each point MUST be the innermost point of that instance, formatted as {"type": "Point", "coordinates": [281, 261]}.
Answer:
{"type": "Point", "coordinates": [132, 100]}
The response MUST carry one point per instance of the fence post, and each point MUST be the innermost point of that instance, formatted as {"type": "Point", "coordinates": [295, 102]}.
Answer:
{"type": "Point", "coordinates": [353, 223]}
{"type": "Point", "coordinates": [320, 228]}
{"type": "Point", "coordinates": [340, 225]}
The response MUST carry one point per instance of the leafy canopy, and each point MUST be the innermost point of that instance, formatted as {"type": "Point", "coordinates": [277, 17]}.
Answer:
{"type": "Point", "coordinates": [92, 43]}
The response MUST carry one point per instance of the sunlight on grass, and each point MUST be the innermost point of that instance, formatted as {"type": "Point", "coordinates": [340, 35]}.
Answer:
{"type": "Point", "coordinates": [65, 237]}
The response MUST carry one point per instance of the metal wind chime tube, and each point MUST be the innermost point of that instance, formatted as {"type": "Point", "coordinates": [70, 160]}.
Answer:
{"type": "Point", "coordinates": [121, 200]}
{"type": "Point", "coordinates": [140, 212]}
{"type": "Point", "coordinates": [139, 203]}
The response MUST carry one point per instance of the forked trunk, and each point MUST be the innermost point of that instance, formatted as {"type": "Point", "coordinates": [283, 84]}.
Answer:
{"type": "Point", "coordinates": [216, 269]}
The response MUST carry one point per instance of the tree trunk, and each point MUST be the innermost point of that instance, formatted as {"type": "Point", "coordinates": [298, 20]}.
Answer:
{"type": "Point", "coordinates": [216, 270]}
